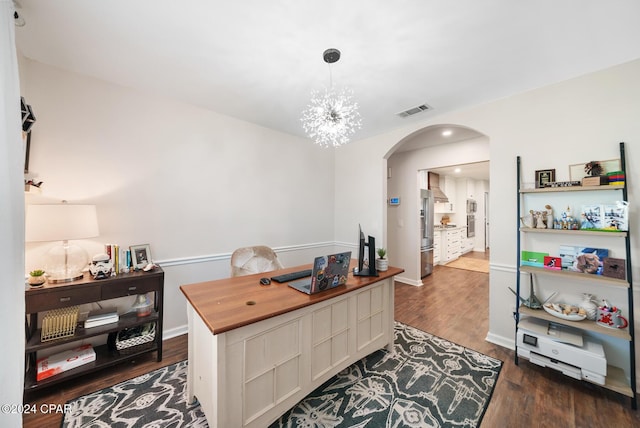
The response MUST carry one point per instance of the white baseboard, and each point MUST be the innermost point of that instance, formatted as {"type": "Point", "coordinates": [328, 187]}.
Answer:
{"type": "Point", "coordinates": [505, 342]}
{"type": "Point", "coordinates": [408, 281]}
{"type": "Point", "coordinates": [175, 332]}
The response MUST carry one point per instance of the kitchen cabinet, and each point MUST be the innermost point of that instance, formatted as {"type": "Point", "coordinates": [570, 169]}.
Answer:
{"type": "Point", "coordinates": [437, 246]}
{"type": "Point", "coordinates": [471, 189]}
{"type": "Point", "coordinates": [618, 372]}
{"type": "Point", "coordinates": [451, 239]}
{"type": "Point", "coordinates": [448, 185]}
{"type": "Point", "coordinates": [466, 244]}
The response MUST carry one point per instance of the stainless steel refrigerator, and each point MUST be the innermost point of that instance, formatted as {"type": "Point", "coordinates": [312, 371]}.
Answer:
{"type": "Point", "coordinates": [426, 233]}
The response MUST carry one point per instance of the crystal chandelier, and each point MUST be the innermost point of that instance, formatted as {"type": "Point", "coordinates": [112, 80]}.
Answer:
{"type": "Point", "coordinates": [331, 116]}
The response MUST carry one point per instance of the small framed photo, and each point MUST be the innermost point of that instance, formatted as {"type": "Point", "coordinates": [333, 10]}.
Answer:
{"type": "Point", "coordinates": [545, 176]}
{"type": "Point", "coordinates": [140, 255]}
{"type": "Point", "coordinates": [578, 171]}
{"type": "Point", "coordinates": [554, 263]}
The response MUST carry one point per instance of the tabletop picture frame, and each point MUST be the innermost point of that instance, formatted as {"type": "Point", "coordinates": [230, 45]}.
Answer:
{"type": "Point", "coordinates": [544, 176]}
{"type": "Point", "coordinates": [140, 255]}
{"type": "Point", "coordinates": [576, 171]}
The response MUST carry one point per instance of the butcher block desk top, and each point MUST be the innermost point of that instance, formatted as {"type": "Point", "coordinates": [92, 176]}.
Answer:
{"type": "Point", "coordinates": [234, 302]}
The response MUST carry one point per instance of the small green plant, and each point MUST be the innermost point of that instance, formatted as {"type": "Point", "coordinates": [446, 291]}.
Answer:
{"type": "Point", "coordinates": [37, 272]}
{"type": "Point", "coordinates": [382, 252]}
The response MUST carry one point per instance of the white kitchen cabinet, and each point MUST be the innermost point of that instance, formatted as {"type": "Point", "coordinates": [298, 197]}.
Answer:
{"type": "Point", "coordinates": [443, 207]}
{"type": "Point", "coordinates": [448, 185]}
{"type": "Point", "coordinates": [471, 189]}
{"type": "Point", "coordinates": [437, 246]}
{"type": "Point", "coordinates": [466, 244]}
{"type": "Point", "coordinates": [451, 239]}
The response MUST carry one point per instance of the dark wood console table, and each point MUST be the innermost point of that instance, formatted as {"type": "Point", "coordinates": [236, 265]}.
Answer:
{"type": "Point", "coordinates": [88, 290]}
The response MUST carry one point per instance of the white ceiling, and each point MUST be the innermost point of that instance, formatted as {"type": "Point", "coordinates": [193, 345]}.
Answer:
{"type": "Point", "coordinates": [258, 60]}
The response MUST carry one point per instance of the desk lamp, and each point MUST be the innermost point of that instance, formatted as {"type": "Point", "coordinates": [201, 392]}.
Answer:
{"type": "Point", "coordinates": [62, 222]}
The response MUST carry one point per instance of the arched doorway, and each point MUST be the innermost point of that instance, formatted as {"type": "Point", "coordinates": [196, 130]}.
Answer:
{"type": "Point", "coordinates": [423, 150]}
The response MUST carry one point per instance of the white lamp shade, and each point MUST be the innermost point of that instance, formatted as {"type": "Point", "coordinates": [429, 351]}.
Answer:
{"type": "Point", "coordinates": [60, 222]}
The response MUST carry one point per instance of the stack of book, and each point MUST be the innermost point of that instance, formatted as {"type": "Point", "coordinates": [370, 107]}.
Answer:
{"type": "Point", "coordinates": [102, 316]}
{"type": "Point", "coordinates": [616, 178]}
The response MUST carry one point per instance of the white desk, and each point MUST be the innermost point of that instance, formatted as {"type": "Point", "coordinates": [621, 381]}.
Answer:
{"type": "Point", "coordinates": [255, 351]}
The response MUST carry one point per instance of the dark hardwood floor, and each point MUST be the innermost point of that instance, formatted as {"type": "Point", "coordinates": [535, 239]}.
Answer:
{"type": "Point", "coordinates": [453, 304]}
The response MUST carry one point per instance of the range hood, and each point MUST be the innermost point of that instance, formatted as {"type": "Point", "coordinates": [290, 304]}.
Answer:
{"type": "Point", "coordinates": [434, 186]}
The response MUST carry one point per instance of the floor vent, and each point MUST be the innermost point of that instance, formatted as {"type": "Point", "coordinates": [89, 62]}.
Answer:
{"type": "Point", "coordinates": [414, 110]}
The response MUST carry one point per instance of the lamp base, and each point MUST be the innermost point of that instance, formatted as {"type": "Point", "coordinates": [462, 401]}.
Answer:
{"type": "Point", "coordinates": [60, 280]}
{"type": "Point", "coordinates": [65, 263]}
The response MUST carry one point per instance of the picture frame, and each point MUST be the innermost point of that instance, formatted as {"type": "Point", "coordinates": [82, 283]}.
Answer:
{"type": "Point", "coordinates": [544, 176]}
{"type": "Point", "coordinates": [576, 171]}
{"type": "Point", "coordinates": [140, 255]}
{"type": "Point", "coordinates": [26, 140]}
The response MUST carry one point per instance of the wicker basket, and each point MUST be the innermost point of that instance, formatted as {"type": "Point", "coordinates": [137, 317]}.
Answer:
{"type": "Point", "coordinates": [59, 323]}
{"type": "Point", "coordinates": [133, 339]}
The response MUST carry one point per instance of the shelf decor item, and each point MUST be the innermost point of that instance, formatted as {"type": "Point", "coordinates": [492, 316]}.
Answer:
{"type": "Point", "coordinates": [59, 323]}
{"type": "Point", "coordinates": [565, 311]}
{"type": "Point", "coordinates": [589, 305]}
{"type": "Point", "coordinates": [614, 268]}
{"type": "Point", "coordinates": [141, 255]}
{"type": "Point", "coordinates": [37, 278]}
{"type": "Point", "coordinates": [544, 177]}
{"type": "Point", "coordinates": [382, 264]}
{"type": "Point", "coordinates": [133, 339]}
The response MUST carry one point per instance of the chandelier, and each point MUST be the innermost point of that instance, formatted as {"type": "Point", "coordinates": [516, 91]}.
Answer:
{"type": "Point", "coordinates": [331, 117]}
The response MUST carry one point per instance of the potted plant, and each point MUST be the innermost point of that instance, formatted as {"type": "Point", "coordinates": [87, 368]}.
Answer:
{"type": "Point", "coordinates": [36, 278]}
{"type": "Point", "coordinates": [382, 263]}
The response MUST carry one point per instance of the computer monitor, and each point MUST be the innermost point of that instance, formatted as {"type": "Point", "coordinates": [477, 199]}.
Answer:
{"type": "Point", "coordinates": [370, 243]}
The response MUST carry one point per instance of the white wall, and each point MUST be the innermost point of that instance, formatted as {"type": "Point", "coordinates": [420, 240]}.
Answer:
{"type": "Point", "coordinates": [11, 225]}
{"type": "Point", "coordinates": [571, 122]}
{"type": "Point", "coordinates": [193, 184]}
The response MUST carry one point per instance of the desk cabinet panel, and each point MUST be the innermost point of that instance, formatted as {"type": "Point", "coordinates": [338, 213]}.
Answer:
{"type": "Point", "coordinates": [272, 368]}
{"type": "Point", "coordinates": [330, 337]}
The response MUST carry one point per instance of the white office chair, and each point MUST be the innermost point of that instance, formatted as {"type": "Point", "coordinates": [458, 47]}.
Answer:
{"type": "Point", "coordinates": [257, 259]}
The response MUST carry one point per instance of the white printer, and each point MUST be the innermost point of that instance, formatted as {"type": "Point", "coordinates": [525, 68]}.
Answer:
{"type": "Point", "coordinates": [562, 348]}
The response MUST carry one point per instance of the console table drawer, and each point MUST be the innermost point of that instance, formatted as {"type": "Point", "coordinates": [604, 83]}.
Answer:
{"type": "Point", "coordinates": [70, 296]}
{"type": "Point", "coordinates": [128, 288]}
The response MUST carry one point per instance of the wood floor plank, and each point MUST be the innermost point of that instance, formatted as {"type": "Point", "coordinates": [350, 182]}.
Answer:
{"type": "Point", "coordinates": [452, 304]}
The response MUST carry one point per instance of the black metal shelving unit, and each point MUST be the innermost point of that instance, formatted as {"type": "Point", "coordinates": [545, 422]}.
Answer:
{"type": "Point", "coordinates": [616, 379]}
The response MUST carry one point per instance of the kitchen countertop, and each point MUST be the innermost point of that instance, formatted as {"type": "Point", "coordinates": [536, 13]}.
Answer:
{"type": "Point", "coordinates": [435, 227]}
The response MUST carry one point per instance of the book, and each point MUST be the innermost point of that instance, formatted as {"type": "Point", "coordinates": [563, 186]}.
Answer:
{"type": "Point", "coordinates": [63, 361]}
{"type": "Point", "coordinates": [101, 316]}
{"type": "Point", "coordinates": [591, 217]}
{"type": "Point", "coordinates": [554, 263]}
{"type": "Point", "coordinates": [532, 258]}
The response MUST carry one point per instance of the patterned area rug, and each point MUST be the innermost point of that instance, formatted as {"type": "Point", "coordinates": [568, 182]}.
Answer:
{"type": "Point", "coordinates": [156, 399]}
{"type": "Point", "coordinates": [426, 382]}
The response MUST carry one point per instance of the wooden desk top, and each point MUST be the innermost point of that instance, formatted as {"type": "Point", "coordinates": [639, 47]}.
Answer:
{"type": "Point", "coordinates": [230, 303]}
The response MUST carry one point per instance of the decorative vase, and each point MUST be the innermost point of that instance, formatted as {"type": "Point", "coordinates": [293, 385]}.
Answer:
{"type": "Point", "coordinates": [382, 264]}
{"type": "Point", "coordinates": [590, 307]}
{"type": "Point", "coordinates": [36, 281]}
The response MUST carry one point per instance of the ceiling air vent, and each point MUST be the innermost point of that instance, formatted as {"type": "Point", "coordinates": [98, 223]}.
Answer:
{"type": "Point", "coordinates": [414, 110]}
